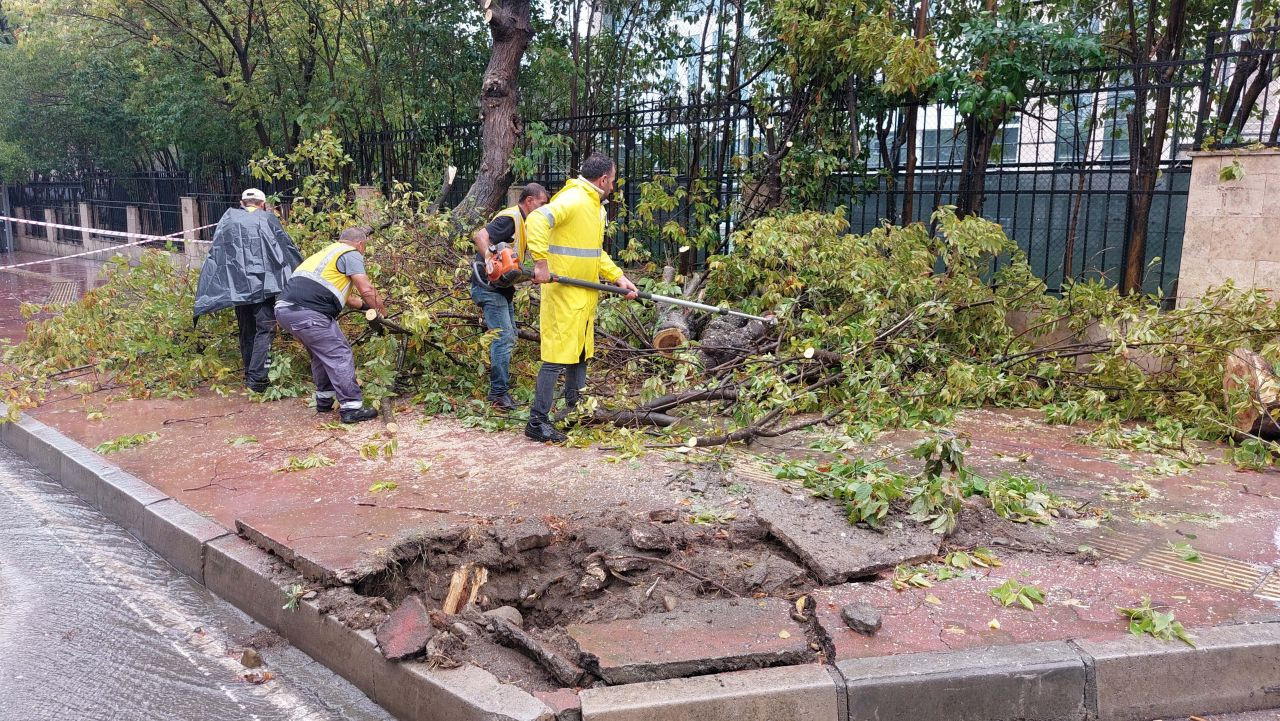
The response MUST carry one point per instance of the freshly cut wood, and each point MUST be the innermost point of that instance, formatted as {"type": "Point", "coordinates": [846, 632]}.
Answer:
{"type": "Point", "coordinates": [1248, 370]}
{"type": "Point", "coordinates": [673, 327]}
{"type": "Point", "coordinates": [464, 587]}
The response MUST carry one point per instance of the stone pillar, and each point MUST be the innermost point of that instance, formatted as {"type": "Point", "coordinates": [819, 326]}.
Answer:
{"type": "Point", "coordinates": [6, 227]}
{"type": "Point", "coordinates": [190, 221]}
{"type": "Point", "coordinates": [86, 222]}
{"type": "Point", "coordinates": [367, 197]}
{"type": "Point", "coordinates": [50, 232]}
{"type": "Point", "coordinates": [513, 194]}
{"type": "Point", "coordinates": [132, 219]}
{"type": "Point", "coordinates": [1233, 209]}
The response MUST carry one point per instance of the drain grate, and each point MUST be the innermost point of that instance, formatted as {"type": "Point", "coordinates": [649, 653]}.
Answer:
{"type": "Point", "coordinates": [63, 292]}
{"type": "Point", "coordinates": [1212, 569]}
{"type": "Point", "coordinates": [1271, 589]}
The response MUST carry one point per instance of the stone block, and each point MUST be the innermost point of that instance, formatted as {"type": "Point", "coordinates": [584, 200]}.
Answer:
{"type": "Point", "coordinates": [17, 435]}
{"type": "Point", "coordinates": [791, 693]}
{"type": "Point", "coordinates": [1198, 275]}
{"type": "Point", "coordinates": [697, 638]}
{"type": "Point", "coordinates": [1029, 682]}
{"type": "Point", "coordinates": [45, 447]}
{"type": "Point", "coordinates": [179, 535]}
{"type": "Point", "coordinates": [123, 498]}
{"type": "Point", "coordinates": [240, 573]}
{"type": "Point", "coordinates": [406, 631]}
{"type": "Point", "coordinates": [1232, 669]}
{"type": "Point", "coordinates": [82, 472]}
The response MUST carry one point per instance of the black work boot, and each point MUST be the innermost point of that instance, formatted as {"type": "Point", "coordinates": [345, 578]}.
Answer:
{"type": "Point", "coordinates": [324, 405]}
{"type": "Point", "coordinates": [503, 402]}
{"type": "Point", "coordinates": [356, 415]}
{"type": "Point", "coordinates": [543, 432]}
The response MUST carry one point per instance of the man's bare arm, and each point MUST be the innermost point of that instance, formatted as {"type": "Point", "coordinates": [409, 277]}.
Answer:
{"type": "Point", "coordinates": [367, 296]}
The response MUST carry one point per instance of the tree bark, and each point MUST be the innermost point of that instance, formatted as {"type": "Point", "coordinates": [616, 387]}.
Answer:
{"type": "Point", "coordinates": [972, 190]}
{"type": "Point", "coordinates": [499, 96]}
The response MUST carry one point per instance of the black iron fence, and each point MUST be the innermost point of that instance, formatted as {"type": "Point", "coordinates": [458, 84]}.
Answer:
{"type": "Point", "coordinates": [1062, 175]}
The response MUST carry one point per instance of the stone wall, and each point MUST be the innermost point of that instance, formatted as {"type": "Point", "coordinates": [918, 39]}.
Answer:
{"type": "Point", "coordinates": [1233, 226]}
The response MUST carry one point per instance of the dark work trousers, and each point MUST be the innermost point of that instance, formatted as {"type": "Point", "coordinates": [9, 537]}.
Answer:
{"type": "Point", "coordinates": [575, 380]}
{"type": "Point", "coordinates": [333, 368]}
{"type": "Point", "coordinates": [257, 323]}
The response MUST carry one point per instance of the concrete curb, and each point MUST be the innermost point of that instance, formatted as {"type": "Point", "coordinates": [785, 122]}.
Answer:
{"type": "Point", "coordinates": [1232, 669]}
{"type": "Point", "coordinates": [242, 574]}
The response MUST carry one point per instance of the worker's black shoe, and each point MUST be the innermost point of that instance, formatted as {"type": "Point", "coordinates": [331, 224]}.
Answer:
{"type": "Point", "coordinates": [503, 402]}
{"type": "Point", "coordinates": [256, 387]}
{"type": "Point", "coordinates": [324, 405]}
{"type": "Point", "coordinates": [544, 432]}
{"type": "Point", "coordinates": [356, 415]}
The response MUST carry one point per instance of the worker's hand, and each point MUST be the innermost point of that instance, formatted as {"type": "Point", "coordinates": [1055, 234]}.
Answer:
{"type": "Point", "coordinates": [541, 272]}
{"type": "Point", "coordinates": [625, 282]}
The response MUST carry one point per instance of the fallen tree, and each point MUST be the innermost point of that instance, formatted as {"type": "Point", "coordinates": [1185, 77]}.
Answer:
{"type": "Point", "coordinates": [897, 327]}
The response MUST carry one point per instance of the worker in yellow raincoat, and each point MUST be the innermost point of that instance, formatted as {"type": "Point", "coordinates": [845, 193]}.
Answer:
{"type": "Point", "coordinates": [566, 238]}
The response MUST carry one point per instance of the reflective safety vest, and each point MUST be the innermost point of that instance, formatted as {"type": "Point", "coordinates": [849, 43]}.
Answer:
{"type": "Point", "coordinates": [518, 238]}
{"type": "Point", "coordinates": [322, 268]}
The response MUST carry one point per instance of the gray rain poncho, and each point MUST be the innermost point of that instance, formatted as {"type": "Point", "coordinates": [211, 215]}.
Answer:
{"type": "Point", "coordinates": [250, 260]}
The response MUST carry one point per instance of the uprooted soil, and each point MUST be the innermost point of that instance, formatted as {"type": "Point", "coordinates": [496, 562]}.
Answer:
{"type": "Point", "coordinates": [607, 566]}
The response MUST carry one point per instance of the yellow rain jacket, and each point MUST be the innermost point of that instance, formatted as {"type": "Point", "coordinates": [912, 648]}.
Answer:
{"type": "Point", "coordinates": [568, 232]}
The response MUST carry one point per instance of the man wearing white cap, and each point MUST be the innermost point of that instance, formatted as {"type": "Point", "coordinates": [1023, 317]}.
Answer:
{"type": "Point", "coordinates": [251, 259]}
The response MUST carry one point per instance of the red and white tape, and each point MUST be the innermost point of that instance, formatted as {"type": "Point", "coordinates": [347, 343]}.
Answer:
{"type": "Point", "coordinates": [140, 238]}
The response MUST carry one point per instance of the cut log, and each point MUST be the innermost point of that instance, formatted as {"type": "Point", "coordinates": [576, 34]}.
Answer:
{"type": "Point", "coordinates": [1251, 372]}
{"type": "Point", "coordinates": [464, 587]}
{"type": "Point", "coordinates": [672, 330]}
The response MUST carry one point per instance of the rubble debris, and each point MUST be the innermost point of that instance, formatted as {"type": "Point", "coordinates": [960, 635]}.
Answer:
{"type": "Point", "coordinates": [595, 574]}
{"type": "Point", "coordinates": [562, 670]}
{"type": "Point", "coordinates": [700, 637]}
{"type": "Point", "coordinates": [648, 537]}
{"type": "Point", "coordinates": [664, 515]}
{"type": "Point", "coordinates": [861, 617]}
{"type": "Point", "coordinates": [250, 658]}
{"type": "Point", "coordinates": [524, 536]}
{"type": "Point", "coordinates": [508, 614]}
{"type": "Point", "coordinates": [464, 587]}
{"type": "Point", "coordinates": [406, 631]}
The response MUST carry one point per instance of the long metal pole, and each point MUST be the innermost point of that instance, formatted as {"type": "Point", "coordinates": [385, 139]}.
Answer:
{"type": "Point", "coordinates": [618, 290]}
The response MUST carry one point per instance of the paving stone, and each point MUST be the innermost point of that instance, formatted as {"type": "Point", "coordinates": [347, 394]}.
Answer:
{"type": "Point", "coordinates": [1231, 669]}
{"type": "Point", "coordinates": [790, 693]}
{"type": "Point", "coordinates": [830, 547]}
{"type": "Point", "coordinates": [699, 637]}
{"type": "Point", "coordinates": [1029, 682]}
{"type": "Point", "coordinates": [861, 617]}
{"type": "Point", "coordinates": [406, 631]}
{"type": "Point", "coordinates": [179, 534]}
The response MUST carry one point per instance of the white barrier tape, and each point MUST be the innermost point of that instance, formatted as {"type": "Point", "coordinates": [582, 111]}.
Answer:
{"type": "Point", "coordinates": [141, 239]}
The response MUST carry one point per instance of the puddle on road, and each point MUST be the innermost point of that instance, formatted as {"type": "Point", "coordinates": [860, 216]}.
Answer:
{"type": "Point", "coordinates": [95, 626]}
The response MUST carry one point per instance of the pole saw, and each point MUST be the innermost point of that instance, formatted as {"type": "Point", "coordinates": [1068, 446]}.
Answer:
{"type": "Point", "coordinates": [656, 298]}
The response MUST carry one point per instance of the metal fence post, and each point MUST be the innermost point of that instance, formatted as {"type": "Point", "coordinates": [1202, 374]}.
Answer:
{"type": "Point", "coordinates": [6, 228]}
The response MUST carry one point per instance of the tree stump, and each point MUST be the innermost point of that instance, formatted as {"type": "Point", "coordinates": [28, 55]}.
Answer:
{"type": "Point", "coordinates": [1250, 371]}
{"type": "Point", "coordinates": [672, 329]}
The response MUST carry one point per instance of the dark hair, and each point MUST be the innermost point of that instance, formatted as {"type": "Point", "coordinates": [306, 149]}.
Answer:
{"type": "Point", "coordinates": [533, 190]}
{"type": "Point", "coordinates": [354, 234]}
{"type": "Point", "coordinates": [597, 166]}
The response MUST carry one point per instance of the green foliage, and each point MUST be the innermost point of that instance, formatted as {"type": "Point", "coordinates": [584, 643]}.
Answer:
{"type": "Point", "coordinates": [710, 516]}
{"type": "Point", "coordinates": [1023, 594]}
{"type": "Point", "coordinates": [1145, 619]}
{"type": "Point", "coordinates": [1230, 173]}
{"type": "Point", "coordinates": [381, 486]}
{"type": "Point", "coordinates": [1017, 498]}
{"type": "Point", "coordinates": [242, 440]}
{"type": "Point", "coordinates": [1252, 454]}
{"type": "Point", "coordinates": [1185, 551]}
{"type": "Point", "coordinates": [306, 463]}
{"type": "Point", "coordinates": [293, 595]}
{"type": "Point", "coordinates": [374, 450]}
{"type": "Point", "coordinates": [125, 442]}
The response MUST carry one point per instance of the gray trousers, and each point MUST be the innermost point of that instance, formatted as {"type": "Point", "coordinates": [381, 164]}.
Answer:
{"type": "Point", "coordinates": [333, 368]}
{"type": "Point", "coordinates": [575, 379]}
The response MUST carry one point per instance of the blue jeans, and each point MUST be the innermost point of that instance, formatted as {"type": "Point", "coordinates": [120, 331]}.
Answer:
{"type": "Point", "coordinates": [499, 313]}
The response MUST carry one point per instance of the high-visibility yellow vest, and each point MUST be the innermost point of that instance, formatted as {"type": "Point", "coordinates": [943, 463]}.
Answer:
{"type": "Point", "coordinates": [517, 237]}
{"type": "Point", "coordinates": [322, 268]}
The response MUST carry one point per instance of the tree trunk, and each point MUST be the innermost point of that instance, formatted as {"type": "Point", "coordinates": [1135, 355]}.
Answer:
{"type": "Point", "coordinates": [672, 329]}
{"type": "Point", "coordinates": [499, 96]}
{"type": "Point", "coordinates": [972, 191]}
{"type": "Point", "coordinates": [1250, 371]}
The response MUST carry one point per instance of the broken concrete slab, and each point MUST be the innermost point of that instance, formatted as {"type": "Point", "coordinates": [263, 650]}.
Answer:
{"type": "Point", "coordinates": [337, 543]}
{"type": "Point", "coordinates": [650, 537]}
{"type": "Point", "coordinates": [699, 637]}
{"type": "Point", "coordinates": [406, 631]}
{"type": "Point", "coordinates": [830, 547]}
{"type": "Point", "coordinates": [791, 693]}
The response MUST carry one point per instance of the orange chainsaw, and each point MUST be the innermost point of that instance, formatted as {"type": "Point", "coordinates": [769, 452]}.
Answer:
{"type": "Point", "coordinates": [502, 266]}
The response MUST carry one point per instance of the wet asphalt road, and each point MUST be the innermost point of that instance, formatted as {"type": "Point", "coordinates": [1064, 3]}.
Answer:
{"type": "Point", "coordinates": [94, 626]}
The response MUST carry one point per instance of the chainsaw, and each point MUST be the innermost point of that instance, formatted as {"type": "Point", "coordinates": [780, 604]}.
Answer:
{"type": "Point", "coordinates": [502, 267]}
